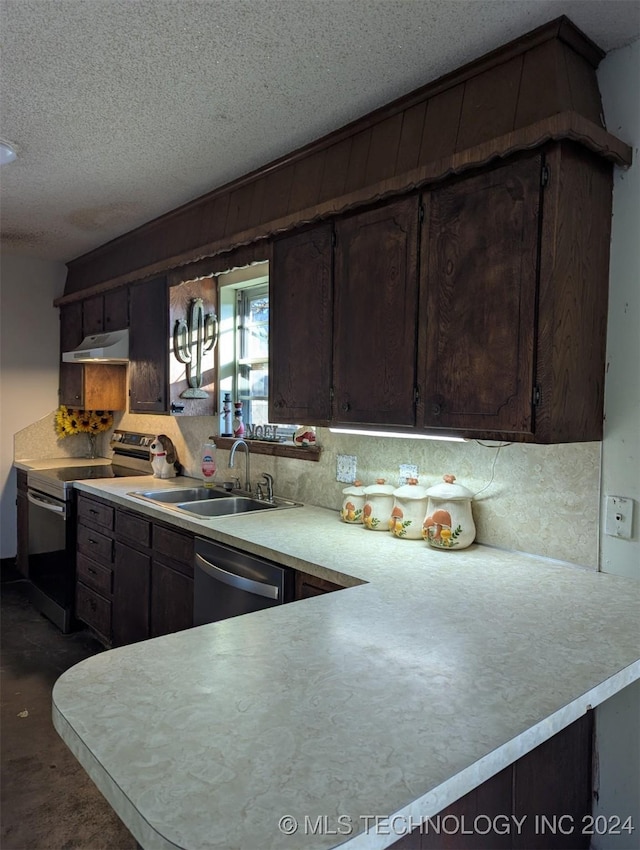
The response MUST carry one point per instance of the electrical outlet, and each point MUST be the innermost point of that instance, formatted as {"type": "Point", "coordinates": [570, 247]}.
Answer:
{"type": "Point", "coordinates": [346, 468]}
{"type": "Point", "coordinates": [618, 517]}
{"type": "Point", "coordinates": [407, 470]}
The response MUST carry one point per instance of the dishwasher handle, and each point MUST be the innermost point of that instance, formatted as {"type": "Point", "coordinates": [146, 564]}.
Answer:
{"type": "Point", "coordinates": [258, 588]}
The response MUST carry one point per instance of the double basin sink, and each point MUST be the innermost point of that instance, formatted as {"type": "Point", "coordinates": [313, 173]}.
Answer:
{"type": "Point", "coordinates": [208, 502]}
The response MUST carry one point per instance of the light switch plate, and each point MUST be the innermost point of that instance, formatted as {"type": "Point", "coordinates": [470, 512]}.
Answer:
{"type": "Point", "coordinates": [407, 470]}
{"type": "Point", "coordinates": [618, 517]}
{"type": "Point", "coordinates": [346, 468]}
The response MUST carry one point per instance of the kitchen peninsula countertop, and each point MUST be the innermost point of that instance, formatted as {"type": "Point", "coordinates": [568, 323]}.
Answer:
{"type": "Point", "coordinates": [393, 697]}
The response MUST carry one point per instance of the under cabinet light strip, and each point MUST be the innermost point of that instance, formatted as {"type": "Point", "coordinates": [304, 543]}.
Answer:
{"type": "Point", "coordinates": [364, 433]}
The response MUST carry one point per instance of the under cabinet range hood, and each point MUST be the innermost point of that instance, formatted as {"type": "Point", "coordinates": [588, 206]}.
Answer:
{"type": "Point", "coordinates": [112, 347]}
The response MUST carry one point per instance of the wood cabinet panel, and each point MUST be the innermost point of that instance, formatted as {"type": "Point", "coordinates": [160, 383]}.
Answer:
{"type": "Point", "coordinates": [131, 587]}
{"type": "Point", "coordinates": [376, 293]}
{"type": "Point", "coordinates": [149, 347]}
{"type": "Point", "coordinates": [171, 600]}
{"type": "Point", "coordinates": [174, 548]}
{"type": "Point", "coordinates": [95, 545]}
{"type": "Point", "coordinates": [94, 575]}
{"type": "Point", "coordinates": [116, 309]}
{"type": "Point", "coordinates": [94, 610]}
{"type": "Point", "coordinates": [307, 586]}
{"type": "Point", "coordinates": [93, 315]}
{"type": "Point", "coordinates": [300, 332]}
{"type": "Point", "coordinates": [479, 277]}
{"type": "Point", "coordinates": [91, 511]}
{"type": "Point", "coordinates": [71, 390]}
{"type": "Point", "coordinates": [22, 510]}
{"type": "Point", "coordinates": [133, 528]}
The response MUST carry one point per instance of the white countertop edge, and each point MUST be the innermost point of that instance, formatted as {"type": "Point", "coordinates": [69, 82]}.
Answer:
{"type": "Point", "coordinates": [390, 830]}
{"type": "Point", "coordinates": [472, 777]}
{"type": "Point", "coordinates": [137, 825]}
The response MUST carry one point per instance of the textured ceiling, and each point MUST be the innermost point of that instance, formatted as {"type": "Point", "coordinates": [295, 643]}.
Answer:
{"type": "Point", "coordinates": [121, 111]}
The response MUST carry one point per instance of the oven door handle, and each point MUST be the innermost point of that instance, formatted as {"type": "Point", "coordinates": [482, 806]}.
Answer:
{"type": "Point", "coordinates": [258, 588]}
{"type": "Point", "coordinates": [48, 506]}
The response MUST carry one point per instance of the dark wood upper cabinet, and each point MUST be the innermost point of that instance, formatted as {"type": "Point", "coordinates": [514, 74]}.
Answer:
{"type": "Point", "coordinates": [71, 374]}
{"type": "Point", "coordinates": [479, 277]}
{"type": "Point", "coordinates": [116, 309]}
{"type": "Point", "coordinates": [514, 279]}
{"type": "Point", "coordinates": [149, 347]}
{"type": "Point", "coordinates": [93, 315]}
{"type": "Point", "coordinates": [375, 319]}
{"type": "Point", "coordinates": [300, 332]}
{"type": "Point", "coordinates": [108, 312]}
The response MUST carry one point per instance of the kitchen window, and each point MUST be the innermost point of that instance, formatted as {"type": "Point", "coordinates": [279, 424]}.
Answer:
{"type": "Point", "coordinates": [244, 344]}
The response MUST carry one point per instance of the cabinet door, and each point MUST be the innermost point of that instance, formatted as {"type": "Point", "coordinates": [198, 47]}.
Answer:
{"type": "Point", "coordinates": [71, 374]}
{"type": "Point", "coordinates": [93, 315]}
{"type": "Point", "coordinates": [116, 309]}
{"type": "Point", "coordinates": [171, 600]}
{"type": "Point", "coordinates": [300, 328]}
{"type": "Point", "coordinates": [479, 273]}
{"type": "Point", "coordinates": [376, 293]}
{"type": "Point", "coordinates": [22, 503]}
{"type": "Point", "coordinates": [149, 347]}
{"type": "Point", "coordinates": [130, 608]}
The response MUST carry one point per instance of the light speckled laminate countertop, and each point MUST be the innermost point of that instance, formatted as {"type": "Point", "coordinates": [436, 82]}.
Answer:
{"type": "Point", "coordinates": [393, 697]}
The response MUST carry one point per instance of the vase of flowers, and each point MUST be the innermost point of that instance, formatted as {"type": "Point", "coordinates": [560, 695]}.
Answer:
{"type": "Point", "coordinates": [70, 421]}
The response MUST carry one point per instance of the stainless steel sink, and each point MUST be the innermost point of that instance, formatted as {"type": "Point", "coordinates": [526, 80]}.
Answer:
{"type": "Point", "coordinates": [209, 502]}
{"type": "Point", "coordinates": [225, 507]}
{"type": "Point", "coordinates": [182, 494]}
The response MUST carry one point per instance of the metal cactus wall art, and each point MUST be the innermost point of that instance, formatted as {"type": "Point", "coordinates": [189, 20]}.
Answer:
{"type": "Point", "coordinates": [193, 337]}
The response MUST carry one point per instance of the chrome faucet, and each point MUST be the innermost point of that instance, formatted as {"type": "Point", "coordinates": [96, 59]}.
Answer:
{"type": "Point", "coordinates": [247, 473]}
{"type": "Point", "coordinates": [268, 481]}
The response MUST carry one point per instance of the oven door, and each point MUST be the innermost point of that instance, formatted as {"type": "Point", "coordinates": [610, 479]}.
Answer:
{"type": "Point", "coordinates": [51, 558]}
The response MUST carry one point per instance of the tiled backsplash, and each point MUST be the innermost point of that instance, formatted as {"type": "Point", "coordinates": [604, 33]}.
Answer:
{"type": "Point", "coordinates": [543, 499]}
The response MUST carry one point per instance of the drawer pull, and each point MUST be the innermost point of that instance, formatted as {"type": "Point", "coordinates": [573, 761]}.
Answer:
{"type": "Point", "coordinates": [92, 511]}
{"type": "Point", "coordinates": [89, 570]}
{"type": "Point", "coordinates": [91, 540]}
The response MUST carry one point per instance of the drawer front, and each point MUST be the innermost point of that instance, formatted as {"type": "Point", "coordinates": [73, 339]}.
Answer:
{"type": "Point", "coordinates": [97, 546]}
{"type": "Point", "coordinates": [93, 575]}
{"type": "Point", "coordinates": [93, 610]}
{"type": "Point", "coordinates": [134, 528]}
{"type": "Point", "coordinates": [95, 512]}
{"type": "Point", "coordinates": [174, 549]}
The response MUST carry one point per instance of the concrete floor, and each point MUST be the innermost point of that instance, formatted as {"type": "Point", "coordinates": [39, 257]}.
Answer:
{"type": "Point", "coordinates": [47, 800]}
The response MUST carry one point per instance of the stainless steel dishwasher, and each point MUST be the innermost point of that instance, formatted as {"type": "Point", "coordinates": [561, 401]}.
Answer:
{"type": "Point", "coordinates": [229, 582]}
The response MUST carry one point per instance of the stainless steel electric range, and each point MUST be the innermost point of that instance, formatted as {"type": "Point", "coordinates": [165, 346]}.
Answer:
{"type": "Point", "coordinates": [52, 522]}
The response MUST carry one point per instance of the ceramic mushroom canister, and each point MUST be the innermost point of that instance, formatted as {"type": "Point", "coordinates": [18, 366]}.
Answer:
{"type": "Point", "coordinates": [449, 522]}
{"type": "Point", "coordinates": [353, 503]}
{"type": "Point", "coordinates": [407, 515]}
{"type": "Point", "coordinates": [378, 505]}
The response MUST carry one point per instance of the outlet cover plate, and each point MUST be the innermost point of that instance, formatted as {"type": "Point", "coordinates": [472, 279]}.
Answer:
{"type": "Point", "coordinates": [346, 468]}
{"type": "Point", "coordinates": [619, 517]}
{"type": "Point", "coordinates": [407, 470]}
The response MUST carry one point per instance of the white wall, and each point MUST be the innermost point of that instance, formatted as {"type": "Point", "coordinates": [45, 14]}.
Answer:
{"type": "Point", "coordinates": [29, 352]}
{"type": "Point", "coordinates": [618, 720]}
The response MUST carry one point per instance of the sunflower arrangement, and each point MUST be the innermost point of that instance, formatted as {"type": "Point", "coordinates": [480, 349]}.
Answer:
{"type": "Point", "coordinates": [71, 420]}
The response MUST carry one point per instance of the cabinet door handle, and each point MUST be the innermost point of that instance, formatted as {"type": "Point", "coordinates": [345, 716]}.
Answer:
{"type": "Point", "coordinates": [436, 409]}
{"type": "Point", "coordinates": [345, 406]}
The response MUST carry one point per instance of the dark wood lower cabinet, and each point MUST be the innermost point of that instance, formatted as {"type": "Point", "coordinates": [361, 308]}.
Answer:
{"type": "Point", "coordinates": [307, 586]}
{"type": "Point", "coordinates": [131, 587]}
{"type": "Point", "coordinates": [22, 503]}
{"type": "Point", "coordinates": [541, 802]}
{"type": "Point", "coordinates": [171, 600]}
